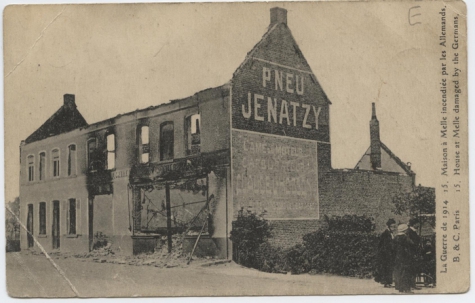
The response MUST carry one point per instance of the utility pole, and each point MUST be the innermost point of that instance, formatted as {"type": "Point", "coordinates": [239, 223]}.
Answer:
{"type": "Point", "coordinates": [169, 217]}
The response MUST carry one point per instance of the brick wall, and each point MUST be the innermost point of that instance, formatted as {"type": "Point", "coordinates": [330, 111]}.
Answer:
{"type": "Point", "coordinates": [286, 233]}
{"type": "Point", "coordinates": [346, 192]}
{"type": "Point", "coordinates": [362, 193]}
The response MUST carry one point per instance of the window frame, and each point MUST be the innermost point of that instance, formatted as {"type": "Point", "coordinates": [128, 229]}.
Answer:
{"type": "Point", "coordinates": [42, 217]}
{"type": "Point", "coordinates": [69, 216]}
{"type": "Point", "coordinates": [30, 168]}
{"type": "Point", "coordinates": [42, 167]}
{"type": "Point", "coordinates": [59, 162]}
{"type": "Point", "coordinates": [72, 173]}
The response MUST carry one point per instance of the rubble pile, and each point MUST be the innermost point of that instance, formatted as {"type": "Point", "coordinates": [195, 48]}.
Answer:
{"type": "Point", "coordinates": [160, 258]}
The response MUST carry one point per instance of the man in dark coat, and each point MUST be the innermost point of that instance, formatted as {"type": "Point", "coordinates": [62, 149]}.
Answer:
{"type": "Point", "coordinates": [413, 235]}
{"type": "Point", "coordinates": [403, 273]}
{"type": "Point", "coordinates": [385, 255]}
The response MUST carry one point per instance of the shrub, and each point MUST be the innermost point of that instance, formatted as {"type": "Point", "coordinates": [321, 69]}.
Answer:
{"type": "Point", "coordinates": [250, 231]}
{"type": "Point", "coordinates": [347, 247]}
{"type": "Point", "coordinates": [271, 259]}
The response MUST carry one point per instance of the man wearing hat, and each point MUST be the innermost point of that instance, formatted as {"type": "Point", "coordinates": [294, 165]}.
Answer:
{"type": "Point", "coordinates": [416, 239]}
{"type": "Point", "coordinates": [403, 273]}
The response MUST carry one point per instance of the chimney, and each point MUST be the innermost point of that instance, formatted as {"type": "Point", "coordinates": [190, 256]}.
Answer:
{"type": "Point", "coordinates": [69, 101]}
{"type": "Point", "coordinates": [375, 141]}
{"type": "Point", "coordinates": [278, 15]}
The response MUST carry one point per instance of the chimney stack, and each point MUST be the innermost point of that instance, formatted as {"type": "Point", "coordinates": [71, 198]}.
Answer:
{"type": "Point", "coordinates": [278, 15]}
{"type": "Point", "coordinates": [69, 101]}
{"type": "Point", "coordinates": [375, 140]}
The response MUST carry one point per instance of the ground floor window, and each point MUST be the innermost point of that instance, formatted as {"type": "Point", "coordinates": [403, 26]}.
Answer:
{"type": "Point", "coordinates": [42, 213]}
{"type": "Point", "coordinates": [71, 217]}
{"type": "Point", "coordinates": [29, 225]}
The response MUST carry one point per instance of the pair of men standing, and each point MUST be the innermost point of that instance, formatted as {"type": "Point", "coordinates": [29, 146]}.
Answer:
{"type": "Point", "coordinates": [398, 256]}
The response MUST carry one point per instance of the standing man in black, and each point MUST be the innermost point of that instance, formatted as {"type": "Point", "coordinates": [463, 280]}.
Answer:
{"type": "Point", "coordinates": [413, 235]}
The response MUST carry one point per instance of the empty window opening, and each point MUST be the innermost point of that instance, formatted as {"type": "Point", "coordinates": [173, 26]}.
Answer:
{"type": "Point", "coordinates": [91, 154]}
{"type": "Point", "coordinates": [144, 146]}
{"type": "Point", "coordinates": [193, 130]}
{"type": "Point", "coordinates": [166, 141]}
{"type": "Point", "coordinates": [110, 151]}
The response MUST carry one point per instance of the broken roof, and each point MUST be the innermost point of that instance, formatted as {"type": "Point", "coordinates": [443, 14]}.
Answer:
{"type": "Point", "coordinates": [389, 162]}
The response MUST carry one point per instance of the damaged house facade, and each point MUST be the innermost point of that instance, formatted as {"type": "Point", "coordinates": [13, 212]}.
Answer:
{"type": "Point", "coordinates": [262, 140]}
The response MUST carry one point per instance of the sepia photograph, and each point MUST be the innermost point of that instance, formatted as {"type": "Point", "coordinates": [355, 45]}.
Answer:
{"type": "Point", "coordinates": [236, 149]}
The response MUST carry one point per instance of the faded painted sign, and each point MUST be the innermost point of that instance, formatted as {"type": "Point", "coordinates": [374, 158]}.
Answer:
{"type": "Point", "coordinates": [275, 174]}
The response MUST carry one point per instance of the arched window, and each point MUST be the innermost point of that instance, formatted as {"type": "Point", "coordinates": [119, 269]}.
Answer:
{"type": "Point", "coordinates": [42, 167]}
{"type": "Point", "coordinates": [143, 144]}
{"type": "Point", "coordinates": [55, 162]}
{"type": "Point", "coordinates": [110, 151]}
{"type": "Point", "coordinates": [31, 168]}
{"type": "Point", "coordinates": [166, 141]}
{"type": "Point", "coordinates": [72, 160]}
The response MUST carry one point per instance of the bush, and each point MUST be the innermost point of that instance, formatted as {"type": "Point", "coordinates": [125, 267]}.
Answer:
{"type": "Point", "coordinates": [346, 247]}
{"type": "Point", "coordinates": [335, 252]}
{"type": "Point", "coordinates": [249, 234]}
{"type": "Point", "coordinates": [271, 259]}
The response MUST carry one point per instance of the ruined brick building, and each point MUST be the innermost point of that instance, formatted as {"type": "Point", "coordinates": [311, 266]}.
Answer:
{"type": "Point", "coordinates": [261, 140]}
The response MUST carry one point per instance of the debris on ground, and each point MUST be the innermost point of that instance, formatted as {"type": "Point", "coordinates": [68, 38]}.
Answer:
{"type": "Point", "coordinates": [159, 258]}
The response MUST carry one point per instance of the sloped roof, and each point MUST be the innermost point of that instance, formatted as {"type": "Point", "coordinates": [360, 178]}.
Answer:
{"type": "Point", "coordinates": [389, 161]}
{"type": "Point", "coordinates": [68, 118]}
{"type": "Point", "coordinates": [288, 54]}
{"type": "Point", "coordinates": [65, 119]}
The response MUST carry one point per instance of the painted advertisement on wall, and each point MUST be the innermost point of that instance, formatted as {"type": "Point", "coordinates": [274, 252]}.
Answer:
{"type": "Point", "coordinates": [284, 101]}
{"type": "Point", "coordinates": [275, 175]}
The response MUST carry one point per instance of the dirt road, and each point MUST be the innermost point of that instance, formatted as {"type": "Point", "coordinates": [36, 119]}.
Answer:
{"type": "Point", "coordinates": [34, 276]}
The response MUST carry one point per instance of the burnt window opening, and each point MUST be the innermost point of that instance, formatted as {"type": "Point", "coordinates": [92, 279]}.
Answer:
{"type": "Point", "coordinates": [144, 144]}
{"type": "Point", "coordinates": [42, 165]}
{"type": "Point", "coordinates": [110, 141]}
{"type": "Point", "coordinates": [72, 160]}
{"type": "Point", "coordinates": [71, 217]}
{"type": "Point", "coordinates": [94, 162]}
{"type": "Point", "coordinates": [55, 160]}
{"type": "Point", "coordinates": [193, 130]}
{"type": "Point", "coordinates": [166, 141]}
{"type": "Point", "coordinates": [42, 219]}
{"type": "Point", "coordinates": [31, 168]}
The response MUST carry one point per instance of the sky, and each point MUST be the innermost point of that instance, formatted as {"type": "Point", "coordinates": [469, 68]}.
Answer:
{"type": "Point", "coordinates": [116, 59]}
